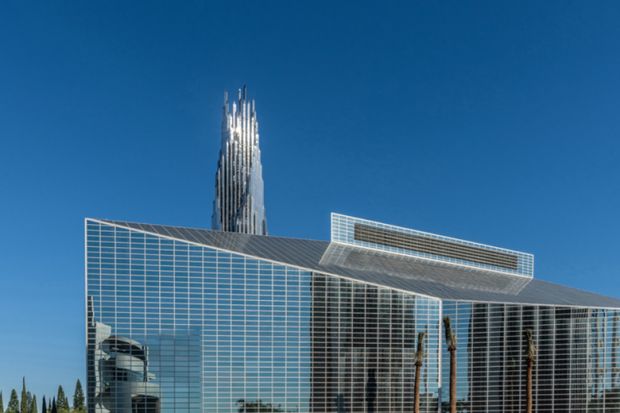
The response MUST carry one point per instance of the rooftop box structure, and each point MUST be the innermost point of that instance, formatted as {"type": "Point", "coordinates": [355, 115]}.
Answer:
{"type": "Point", "coordinates": [389, 238]}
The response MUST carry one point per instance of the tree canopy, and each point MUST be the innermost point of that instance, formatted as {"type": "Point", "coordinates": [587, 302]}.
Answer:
{"type": "Point", "coordinates": [62, 403]}
{"type": "Point", "coordinates": [33, 405]}
{"type": "Point", "coordinates": [24, 406]}
{"type": "Point", "coordinates": [13, 406]}
{"type": "Point", "coordinates": [257, 406]}
{"type": "Point", "coordinates": [78, 398]}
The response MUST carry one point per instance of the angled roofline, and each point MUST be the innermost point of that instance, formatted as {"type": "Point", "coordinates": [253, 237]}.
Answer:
{"type": "Point", "coordinates": [116, 224]}
{"type": "Point", "coordinates": [123, 224]}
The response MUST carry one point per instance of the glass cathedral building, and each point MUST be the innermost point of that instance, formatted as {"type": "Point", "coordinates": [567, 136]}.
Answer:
{"type": "Point", "coordinates": [192, 320]}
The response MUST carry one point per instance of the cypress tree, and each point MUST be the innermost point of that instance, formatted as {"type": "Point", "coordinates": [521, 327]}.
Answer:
{"type": "Point", "coordinates": [62, 403]}
{"type": "Point", "coordinates": [33, 405]}
{"type": "Point", "coordinates": [54, 409]}
{"type": "Point", "coordinates": [24, 406]}
{"type": "Point", "coordinates": [78, 398]}
{"type": "Point", "coordinates": [29, 398]}
{"type": "Point", "coordinates": [1, 403]}
{"type": "Point", "coordinates": [13, 406]}
{"type": "Point", "coordinates": [43, 406]}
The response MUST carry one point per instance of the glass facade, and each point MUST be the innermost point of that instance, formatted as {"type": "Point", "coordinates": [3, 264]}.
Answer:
{"type": "Point", "coordinates": [576, 369]}
{"type": "Point", "coordinates": [173, 326]}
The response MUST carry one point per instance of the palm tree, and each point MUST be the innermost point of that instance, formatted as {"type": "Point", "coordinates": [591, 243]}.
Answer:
{"type": "Point", "coordinates": [531, 359]}
{"type": "Point", "coordinates": [419, 360]}
{"type": "Point", "coordinates": [451, 342]}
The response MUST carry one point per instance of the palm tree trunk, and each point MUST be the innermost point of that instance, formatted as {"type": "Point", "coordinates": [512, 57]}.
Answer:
{"type": "Point", "coordinates": [531, 359]}
{"type": "Point", "coordinates": [528, 403]}
{"type": "Point", "coordinates": [453, 380]}
{"type": "Point", "coordinates": [419, 358]}
{"type": "Point", "coordinates": [416, 388]}
{"type": "Point", "coordinates": [451, 342]}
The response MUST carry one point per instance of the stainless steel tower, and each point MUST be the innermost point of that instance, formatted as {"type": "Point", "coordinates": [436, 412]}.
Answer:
{"type": "Point", "coordinates": [238, 204]}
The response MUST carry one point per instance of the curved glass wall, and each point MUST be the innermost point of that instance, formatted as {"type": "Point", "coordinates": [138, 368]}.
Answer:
{"type": "Point", "coordinates": [177, 327]}
{"type": "Point", "coordinates": [576, 369]}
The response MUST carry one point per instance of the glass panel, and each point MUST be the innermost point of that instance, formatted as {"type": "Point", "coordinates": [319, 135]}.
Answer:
{"type": "Point", "coordinates": [174, 327]}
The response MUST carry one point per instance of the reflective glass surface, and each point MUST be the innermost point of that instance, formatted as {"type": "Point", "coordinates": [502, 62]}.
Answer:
{"type": "Point", "coordinates": [576, 368]}
{"type": "Point", "coordinates": [177, 327]}
{"type": "Point", "coordinates": [173, 326]}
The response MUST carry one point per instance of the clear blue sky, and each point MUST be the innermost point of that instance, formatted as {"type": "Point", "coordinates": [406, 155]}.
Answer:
{"type": "Point", "coordinates": [491, 121]}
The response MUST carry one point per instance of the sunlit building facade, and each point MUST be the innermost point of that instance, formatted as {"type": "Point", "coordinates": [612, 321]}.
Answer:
{"type": "Point", "coordinates": [182, 319]}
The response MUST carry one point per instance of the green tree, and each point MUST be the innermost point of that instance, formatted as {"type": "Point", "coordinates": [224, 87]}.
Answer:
{"type": "Point", "coordinates": [257, 406]}
{"type": "Point", "coordinates": [54, 409]}
{"type": "Point", "coordinates": [24, 406]}
{"type": "Point", "coordinates": [1, 403]}
{"type": "Point", "coordinates": [43, 406]}
{"type": "Point", "coordinates": [62, 403]}
{"type": "Point", "coordinates": [33, 405]}
{"type": "Point", "coordinates": [78, 398]}
{"type": "Point", "coordinates": [13, 406]}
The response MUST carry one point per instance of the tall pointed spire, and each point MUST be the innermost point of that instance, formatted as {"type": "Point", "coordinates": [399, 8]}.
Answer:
{"type": "Point", "coordinates": [239, 204]}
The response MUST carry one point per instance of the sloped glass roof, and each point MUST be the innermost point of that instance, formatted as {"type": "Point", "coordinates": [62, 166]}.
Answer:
{"type": "Point", "coordinates": [404, 273]}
